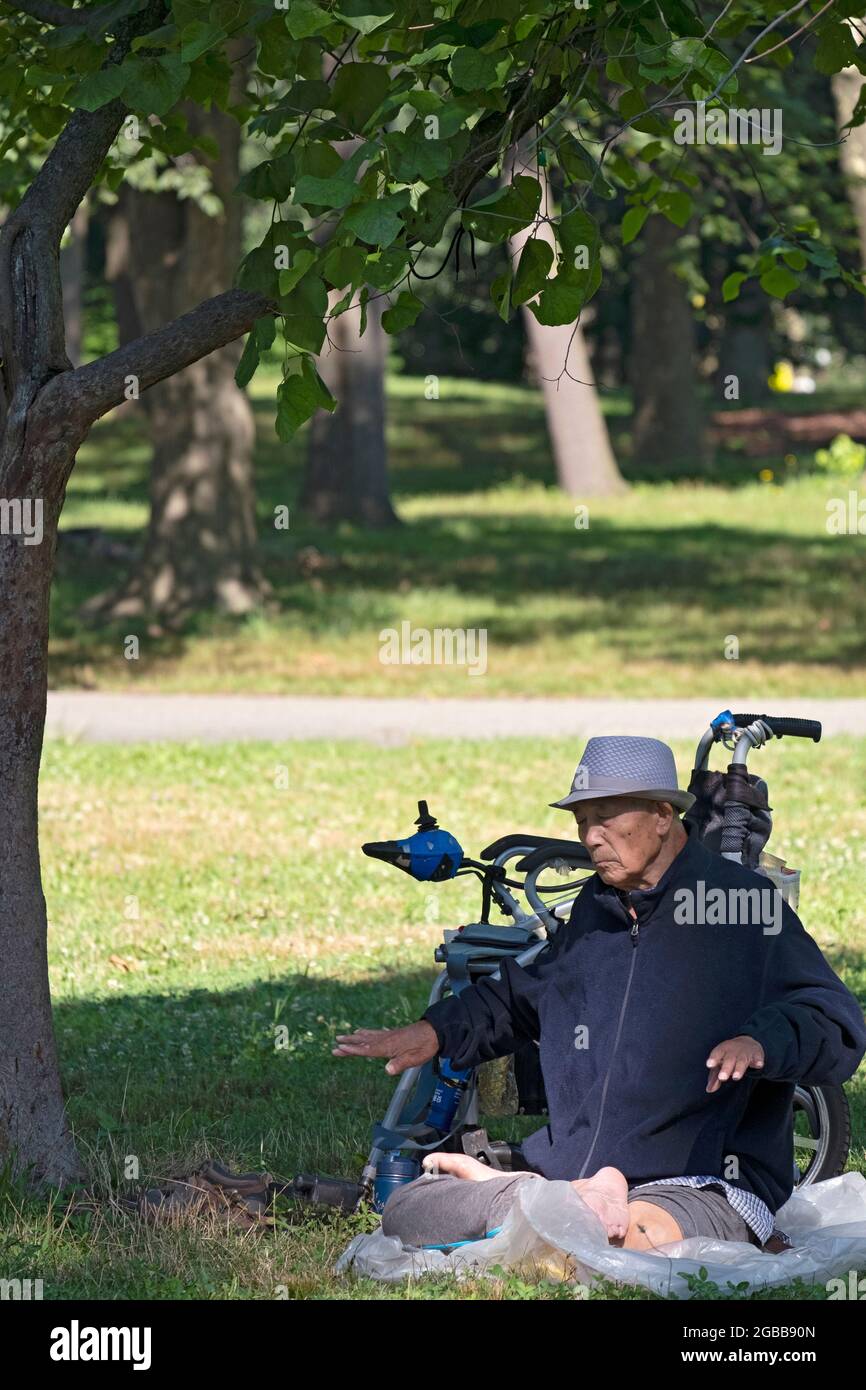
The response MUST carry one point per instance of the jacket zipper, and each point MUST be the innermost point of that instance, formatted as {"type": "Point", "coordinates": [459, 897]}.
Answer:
{"type": "Point", "coordinates": [635, 928]}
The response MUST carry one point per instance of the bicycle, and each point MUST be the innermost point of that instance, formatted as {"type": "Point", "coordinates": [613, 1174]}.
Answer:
{"type": "Point", "coordinates": [731, 813]}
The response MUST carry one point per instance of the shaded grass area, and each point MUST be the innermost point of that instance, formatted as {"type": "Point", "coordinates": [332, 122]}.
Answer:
{"type": "Point", "coordinates": [643, 599]}
{"type": "Point", "coordinates": [197, 904]}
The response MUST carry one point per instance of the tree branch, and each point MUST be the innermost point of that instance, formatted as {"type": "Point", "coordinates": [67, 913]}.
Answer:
{"type": "Point", "coordinates": [32, 340]}
{"type": "Point", "coordinates": [496, 132]}
{"type": "Point", "coordinates": [88, 392]}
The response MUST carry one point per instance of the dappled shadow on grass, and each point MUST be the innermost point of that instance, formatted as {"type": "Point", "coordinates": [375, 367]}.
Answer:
{"type": "Point", "coordinates": [798, 598]}
{"type": "Point", "coordinates": [169, 1077]}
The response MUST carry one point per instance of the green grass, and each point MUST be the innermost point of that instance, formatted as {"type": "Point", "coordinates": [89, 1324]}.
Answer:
{"type": "Point", "coordinates": [193, 905]}
{"type": "Point", "coordinates": [641, 602]}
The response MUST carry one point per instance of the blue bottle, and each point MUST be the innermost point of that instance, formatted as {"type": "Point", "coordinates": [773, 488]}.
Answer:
{"type": "Point", "coordinates": [392, 1170]}
{"type": "Point", "coordinates": [446, 1097]}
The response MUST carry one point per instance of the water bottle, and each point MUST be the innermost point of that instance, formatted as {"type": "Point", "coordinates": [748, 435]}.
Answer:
{"type": "Point", "coordinates": [392, 1170]}
{"type": "Point", "coordinates": [446, 1097]}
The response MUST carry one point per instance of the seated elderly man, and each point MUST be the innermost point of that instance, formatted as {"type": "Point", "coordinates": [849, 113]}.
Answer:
{"type": "Point", "coordinates": [670, 1038]}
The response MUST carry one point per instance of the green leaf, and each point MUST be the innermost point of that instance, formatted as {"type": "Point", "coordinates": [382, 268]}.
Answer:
{"type": "Point", "coordinates": [196, 38]}
{"type": "Point", "coordinates": [676, 206]}
{"type": "Point", "coordinates": [731, 285]}
{"type": "Point", "coordinates": [504, 212]}
{"type": "Point", "coordinates": [500, 293]}
{"type": "Point", "coordinates": [299, 267]}
{"type": "Point", "coordinates": [779, 281]}
{"type": "Point", "coordinates": [358, 91]}
{"type": "Point", "coordinates": [472, 71]}
{"type": "Point", "coordinates": [344, 265]}
{"type": "Point", "coordinates": [632, 223]}
{"type": "Point", "coordinates": [258, 272]}
{"type": "Point", "coordinates": [536, 259]}
{"type": "Point", "coordinates": [324, 193]}
{"type": "Point", "coordinates": [265, 330]}
{"type": "Point", "coordinates": [99, 88]}
{"type": "Point", "coordinates": [796, 259]}
{"type": "Point", "coordinates": [304, 312]}
{"type": "Point", "coordinates": [305, 18]}
{"type": "Point", "coordinates": [836, 48]}
{"type": "Point", "coordinates": [299, 397]}
{"type": "Point", "coordinates": [385, 269]}
{"type": "Point", "coordinates": [413, 157]}
{"type": "Point", "coordinates": [378, 223]}
{"type": "Point", "coordinates": [365, 15]}
{"type": "Point", "coordinates": [558, 303]}
{"type": "Point", "coordinates": [577, 162]}
{"type": "Point", "coordinates": [152, 86]}
{"type": "Point", "coordinates": [403, 313]}
{"type": "Point", "coordinates": [577, 228]}
{"type": "Point", "coordinates": [246, 368]}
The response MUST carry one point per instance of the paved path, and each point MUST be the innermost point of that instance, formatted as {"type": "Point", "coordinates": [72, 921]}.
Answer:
{"type": "Point", "coordinates": [132, 718]}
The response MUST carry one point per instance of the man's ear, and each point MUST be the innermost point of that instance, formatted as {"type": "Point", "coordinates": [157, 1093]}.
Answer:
{"type": "Point", "coordinates": [667, 815]}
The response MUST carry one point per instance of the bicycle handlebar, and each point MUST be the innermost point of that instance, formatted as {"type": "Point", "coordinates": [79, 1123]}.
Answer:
{"type": "Point", "coordinates": [795, 728]}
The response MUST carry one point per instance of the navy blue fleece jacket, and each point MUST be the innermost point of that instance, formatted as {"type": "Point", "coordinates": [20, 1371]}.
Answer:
{"type": "Point", "coordinates": [654, 999]}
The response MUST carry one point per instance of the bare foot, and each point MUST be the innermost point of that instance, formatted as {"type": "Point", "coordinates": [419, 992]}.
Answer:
{"type": "Point", "coordinates": [606, 1193]}
{"type": "Point", "coordinates": [460, 1165]}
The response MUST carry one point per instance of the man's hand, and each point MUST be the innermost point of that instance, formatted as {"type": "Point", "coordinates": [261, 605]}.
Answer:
{"type": "Point", "coordinates": [732, 1059]}
{"type": "Point", "coordinates": [407, 1047]}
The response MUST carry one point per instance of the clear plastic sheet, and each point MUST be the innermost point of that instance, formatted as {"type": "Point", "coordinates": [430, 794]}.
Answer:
{"type": "Point", "coordinates": [550, 1231]}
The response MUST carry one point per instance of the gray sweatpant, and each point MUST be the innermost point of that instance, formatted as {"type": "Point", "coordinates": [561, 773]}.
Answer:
{"type": "Point", "coordinates": [439, 1209]}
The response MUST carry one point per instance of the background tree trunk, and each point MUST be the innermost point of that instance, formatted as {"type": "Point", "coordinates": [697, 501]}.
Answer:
{"type": "Point", "coordinates": [667, 422]}
{"type": "Point", "coordinates": [346, 477]}
{"type": "Point", "coordinates": [164, 255]}
{"type": "Point", "coordinates": [846, 86]}
{"type": "Point", "coordinates": [73, 259]}
{"type": "Point", "coordinates": [582, 453]}
{"type": "Point", "coordinates": [346, 473]}
{"type": "Point", "coordinates": [744, 349]}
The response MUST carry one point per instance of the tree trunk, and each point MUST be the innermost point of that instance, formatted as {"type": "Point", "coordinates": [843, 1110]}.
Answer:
{"type": "Point", "coordinates": [164, 255]}
{"type": "Point", "coordinates": [584, 459]}
{"type": "Point", "coordinates": [346, 477]}
{"type": "Point", "coordinates": [744, 350]}
{"type": "Point", "coordinates": [667, 421]}
{"type": "Point", "coordinates": [34, 1135]}
{"type": "Point", "coordinates": [847, 85]}
{"type": "Point", "coordinates": [346, 473]}
{"type": "Point", "coordinates": [73, 258]}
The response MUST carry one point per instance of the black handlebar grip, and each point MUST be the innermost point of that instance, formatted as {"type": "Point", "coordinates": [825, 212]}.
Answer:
{"type": "Point", "coordinates": [795, 728]}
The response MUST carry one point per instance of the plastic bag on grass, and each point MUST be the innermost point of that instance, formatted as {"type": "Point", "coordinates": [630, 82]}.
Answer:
{"type": "Point", "coordinates": [550, 1230]}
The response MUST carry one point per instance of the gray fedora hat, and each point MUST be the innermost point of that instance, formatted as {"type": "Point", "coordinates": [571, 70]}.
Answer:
{"type": "Point", "coordinates": [620, 765]}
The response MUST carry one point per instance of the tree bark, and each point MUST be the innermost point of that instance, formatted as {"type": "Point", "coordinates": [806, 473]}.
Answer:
{"type": "Point", "coordinates": [346, 477]}
{"type": "Point", "coordinates": [846, 86]}
{"type": "Point", "coordinates": [164, 255]}
{"type": "Point", "coordinates": [744, 350]}
{"type": "Point", "coordinates": [346, 473]}
{"type": "Point", "coordinates": [667, 424]}
{"type": "Point", "coordinates": [35, 1138]}
{"type": "Point", "coordinates": [582, 453]}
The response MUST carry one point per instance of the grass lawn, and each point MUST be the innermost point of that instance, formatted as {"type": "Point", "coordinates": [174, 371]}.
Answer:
{"type": "Point", "coordinates": [643, 601]}
{"type": "Point", "coordinates": [193, 906]}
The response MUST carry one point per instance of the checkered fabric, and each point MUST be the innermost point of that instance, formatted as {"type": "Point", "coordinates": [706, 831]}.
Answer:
{"type": "Point", "coordinates": [755, 1213]}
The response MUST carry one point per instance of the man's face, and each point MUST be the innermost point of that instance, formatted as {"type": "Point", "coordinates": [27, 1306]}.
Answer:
{"type": "Point", "coordinates": [623, 835]}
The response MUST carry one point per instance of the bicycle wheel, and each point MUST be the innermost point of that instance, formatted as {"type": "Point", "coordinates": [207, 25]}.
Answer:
{"type": "Point", "coordinates": [822, 1133]}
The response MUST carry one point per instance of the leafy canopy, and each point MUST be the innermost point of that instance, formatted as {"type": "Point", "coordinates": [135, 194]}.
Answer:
{"type": "Point", "coordinates": [378, 119]}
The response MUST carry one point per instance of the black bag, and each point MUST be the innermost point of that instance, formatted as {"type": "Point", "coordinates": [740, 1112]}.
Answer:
{"type": "Point", "coordinates": [707, 814]}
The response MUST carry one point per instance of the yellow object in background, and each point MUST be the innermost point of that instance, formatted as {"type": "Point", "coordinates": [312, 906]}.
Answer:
{"type": "Point", "coordinates": [782, 378]}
